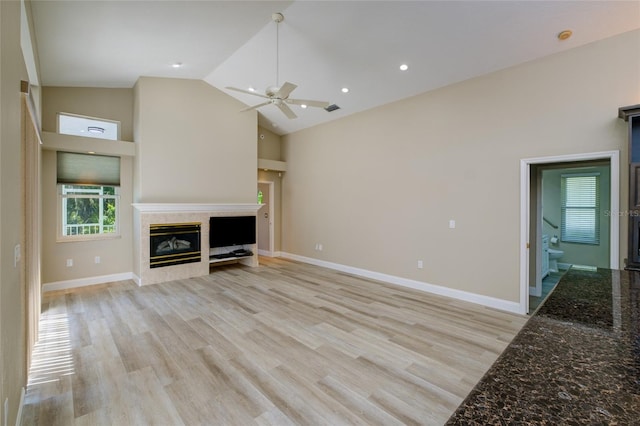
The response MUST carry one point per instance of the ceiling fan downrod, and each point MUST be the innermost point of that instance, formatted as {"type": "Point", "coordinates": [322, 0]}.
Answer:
{"type": "Point", "coordinates": [277, 18]}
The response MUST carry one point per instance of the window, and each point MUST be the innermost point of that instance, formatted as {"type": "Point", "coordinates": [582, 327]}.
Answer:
{"type": "Point", "coordinates": [89, 210]}
{"type": "Point", "coordinates": [88, 193]}
{"type": "Point", "coordinates": [580, 194]}
{"type": "Point", "coordinates": [90, 127]}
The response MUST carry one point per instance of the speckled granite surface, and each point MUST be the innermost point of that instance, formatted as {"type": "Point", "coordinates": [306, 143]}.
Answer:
{"type": "Point", "coordinates": [575, 362]}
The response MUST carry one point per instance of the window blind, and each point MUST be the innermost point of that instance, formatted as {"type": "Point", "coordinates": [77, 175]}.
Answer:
{"type": "Point", "coordinates": [88, 169]}
{"type": "Point", "coordinates": [580, 205]}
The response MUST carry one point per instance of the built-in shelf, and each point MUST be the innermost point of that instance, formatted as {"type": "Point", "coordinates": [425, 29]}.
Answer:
{"type": "Point", "coordinates": [227, 259]}
{"type": "Point", "coordinates": [277, 166]}
{"type": "Point", "coordinates": [146, 214]}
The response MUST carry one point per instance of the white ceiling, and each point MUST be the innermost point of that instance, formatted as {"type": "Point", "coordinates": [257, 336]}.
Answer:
{"type": "Point", "coordinates": [324, 45]}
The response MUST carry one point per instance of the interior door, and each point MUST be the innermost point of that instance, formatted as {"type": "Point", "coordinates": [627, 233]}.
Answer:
{"type": "Point", "coordinates": [264, 218]}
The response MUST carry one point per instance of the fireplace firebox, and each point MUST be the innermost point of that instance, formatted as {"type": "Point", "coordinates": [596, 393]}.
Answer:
{"type": "Point", "coordinates": [174, 244]}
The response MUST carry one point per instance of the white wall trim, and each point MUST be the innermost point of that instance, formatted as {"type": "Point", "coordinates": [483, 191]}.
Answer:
{"type": "Point", "coordinates": [20, 406]}
{"type": "Point", "coordinates": [83, 282]}
{"type": "Point", "coordinates": [194, 207]}
{"type": "Point", "coordinates": [479, 299]}
{"type": "Point", "coordinates": [525, 188]}
{"type": "Point", "coordinates": [267, 253]}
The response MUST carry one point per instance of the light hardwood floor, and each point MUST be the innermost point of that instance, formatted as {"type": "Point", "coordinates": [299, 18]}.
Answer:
{"type": "Point", "coordinates": [285, 343]}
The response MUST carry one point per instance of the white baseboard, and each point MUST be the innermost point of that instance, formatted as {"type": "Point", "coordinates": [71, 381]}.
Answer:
{"type": "Point", "coordinates": [19, 415]}
{"type": "Point", "coordinates": [491, 302]}
{"type": "Point", "coordinates": [267, 253]}
{"type": "Point", "coordinates": [564, 265]}
{"type": "Point", "coordinates": [83, 282]}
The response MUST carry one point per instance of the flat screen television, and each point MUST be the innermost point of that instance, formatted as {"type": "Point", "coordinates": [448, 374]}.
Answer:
{"type": "Point", "coordinates": [232, 230]}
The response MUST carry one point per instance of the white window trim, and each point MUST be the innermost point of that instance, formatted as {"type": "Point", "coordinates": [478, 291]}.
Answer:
{"type": "Point", "coordinates": [596, 208]}
{"type": "Point", "coordinates": [87, 237]}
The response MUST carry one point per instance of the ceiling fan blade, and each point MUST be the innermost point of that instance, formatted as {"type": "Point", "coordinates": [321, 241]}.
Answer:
{"type": "Point", "coordinates": [248, 92]}
{"type": "Point", "coordinates": [285, 90]}
{"type": "Point", "coordinates": [256, 106]}
{"type": "Point", "coordinates": [308, 102]}
{"type": "Point", "coordinates": [286, 110]}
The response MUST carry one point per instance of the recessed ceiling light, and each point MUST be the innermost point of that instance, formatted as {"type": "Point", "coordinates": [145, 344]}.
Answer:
{"type": "Point", "coordinates": [91, 152]}
{"type": "Point", "coordinates": [404, 67]}
{"type": "Point", "coordinates": [563, 35]}
{"type": "Point", "coordinates": [345, 90]}
{"type": "Point", "coordinates": [177, 65]}
{"type": "Point", "coordinates": [95, 129]}
{"type": "Point", "coordinates": [251, 89]}
{"type": "Point", "coordinates": [303, 106]}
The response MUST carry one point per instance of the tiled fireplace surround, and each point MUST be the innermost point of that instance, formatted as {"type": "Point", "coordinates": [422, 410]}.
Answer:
{"type": "Point", "coordinates": [146, 214]}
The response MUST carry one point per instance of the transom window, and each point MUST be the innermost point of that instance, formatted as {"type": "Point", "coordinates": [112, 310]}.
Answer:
{"type": "Point", "coordinates": [580, 194]}
{"type": "Point", "coordinates": [90, 127]}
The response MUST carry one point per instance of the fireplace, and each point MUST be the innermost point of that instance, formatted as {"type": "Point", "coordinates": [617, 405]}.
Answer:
{"type": "Point", "coordinates": [174, 244]}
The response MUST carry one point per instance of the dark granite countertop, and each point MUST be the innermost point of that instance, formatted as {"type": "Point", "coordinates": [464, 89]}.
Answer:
{"type": "Point", "coordinates": [575, 362]}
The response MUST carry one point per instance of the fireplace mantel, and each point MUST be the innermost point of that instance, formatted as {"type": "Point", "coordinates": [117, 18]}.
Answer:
{"type": "Point", "coordinates": [195, 208]}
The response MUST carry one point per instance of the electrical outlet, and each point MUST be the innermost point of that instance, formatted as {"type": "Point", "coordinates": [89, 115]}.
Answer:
{"type": "Point", "coordinates": [420, 264]}
{"type": "Point", "coordinates": [96, 259]}
{"type": "Point", "coordinates": [452, 224]}
{"type": "Point", "coordinates": [69, 263]}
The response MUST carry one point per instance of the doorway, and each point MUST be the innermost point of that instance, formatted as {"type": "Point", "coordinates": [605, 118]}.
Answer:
{"type": "Point", "coordinates": [533, 226]}
{"type": "Point", "coordinates": [265, 219]}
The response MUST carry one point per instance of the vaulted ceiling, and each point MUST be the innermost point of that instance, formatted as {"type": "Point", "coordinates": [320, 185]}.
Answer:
{"type": "Point", "coordinates": [323, 46]}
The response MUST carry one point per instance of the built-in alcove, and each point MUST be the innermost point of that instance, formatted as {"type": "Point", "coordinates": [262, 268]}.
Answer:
{"type": "Point", "coordinates": [159, 215]}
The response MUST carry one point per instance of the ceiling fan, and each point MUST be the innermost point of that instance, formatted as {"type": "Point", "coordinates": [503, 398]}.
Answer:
{"type": "Point", "coordinates": [279, 95]}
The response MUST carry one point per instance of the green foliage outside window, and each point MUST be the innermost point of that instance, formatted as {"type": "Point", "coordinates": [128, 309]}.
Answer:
{"type": "Point", "coordinates": [89, 209]}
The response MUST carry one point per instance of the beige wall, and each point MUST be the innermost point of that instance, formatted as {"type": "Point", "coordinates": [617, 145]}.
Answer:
{"type": "Point", "coordinates": [193, 144]}
{"type": "Point", "coordinates": [12, 314]}
{"type": "Point", "coordinates": [111, 104]}
{"type": "Point", "coordinates": [115, 254]}
{"type": "Point", "coordinates": [269, 145]}
{"type": "Point", "coordinates": [378, 188]}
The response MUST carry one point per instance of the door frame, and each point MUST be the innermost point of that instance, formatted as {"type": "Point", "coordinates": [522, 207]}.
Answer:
{"type": "Point", "coordinates": [271, 250]}
{"type": "Point", "coordinates": [525, 194]}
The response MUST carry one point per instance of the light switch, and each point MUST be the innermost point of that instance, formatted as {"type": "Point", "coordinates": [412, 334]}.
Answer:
{"type": "Point", "coordinates": [16, 255]}
{"type": "Point", "coordinates": [452, 224]}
